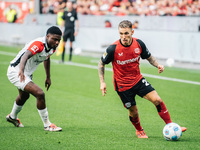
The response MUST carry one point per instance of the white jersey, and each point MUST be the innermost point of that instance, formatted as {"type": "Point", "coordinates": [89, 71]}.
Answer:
{"type": "Point", "coordinates": [40, 51]}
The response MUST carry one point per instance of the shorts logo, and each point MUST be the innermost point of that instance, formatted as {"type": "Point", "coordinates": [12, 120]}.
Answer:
{"type": "Point", "coordinates": [120, 54]}
{"type": "Point", "coordinates": [128, 105]}
{"type": "Point", "coordinates": [34, 48]}
{"type": "Point", "coordinates": [137, 50]}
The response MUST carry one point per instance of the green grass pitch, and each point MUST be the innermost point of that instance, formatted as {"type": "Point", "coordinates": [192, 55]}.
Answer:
{"type": "Point", "coordinates": [91, 121]}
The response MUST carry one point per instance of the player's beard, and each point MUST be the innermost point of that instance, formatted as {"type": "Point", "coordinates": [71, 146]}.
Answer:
{"type": "Point", "coordinates": [126, 42]}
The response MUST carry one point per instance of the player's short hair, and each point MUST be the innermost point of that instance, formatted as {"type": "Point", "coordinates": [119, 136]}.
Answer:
{"type": "Point", "coordinates": [54, 30]}
{"type": "Point", "coordinates": [125, 24]}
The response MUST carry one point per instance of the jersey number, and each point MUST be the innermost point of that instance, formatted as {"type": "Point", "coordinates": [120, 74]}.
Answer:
{"type": "Point", "coordinates": [145, 82]}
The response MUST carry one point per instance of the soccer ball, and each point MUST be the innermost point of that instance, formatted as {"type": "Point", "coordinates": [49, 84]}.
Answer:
{"type": "Point", "coordinates": [172, 132]}
{"type": "Point", "coordinates": [77, 51]}
{"type": "Point", "coordinates": [170, 62]}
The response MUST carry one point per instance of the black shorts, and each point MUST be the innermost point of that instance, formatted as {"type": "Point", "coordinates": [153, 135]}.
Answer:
{"type": "Point", "coordinates": [69, 34]}
{"type": "Point", "coordinates": [141, 88]}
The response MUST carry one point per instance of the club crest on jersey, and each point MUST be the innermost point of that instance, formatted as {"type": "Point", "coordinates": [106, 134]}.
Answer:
{"type": "Point", "coordinates": [120, 54]}
{"type": "Point", "coordinates": [34, 48]}
{"type": "Point", "coordinates": [137, 50]}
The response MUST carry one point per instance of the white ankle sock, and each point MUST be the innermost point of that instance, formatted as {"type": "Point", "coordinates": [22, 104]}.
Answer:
{"type": "Point", "coordinates": [44, 116]}
{"type": "Point", "coordinates": [15, 110]}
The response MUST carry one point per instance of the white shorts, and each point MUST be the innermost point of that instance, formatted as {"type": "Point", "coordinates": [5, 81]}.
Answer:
{"type": "Point", "coordinates": [12, 74]}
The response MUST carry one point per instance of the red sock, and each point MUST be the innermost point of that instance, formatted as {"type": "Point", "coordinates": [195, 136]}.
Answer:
{"type": "Point", "coordinates": [163, 112]}
{"type": "Point", "coordinates": [136, 122]}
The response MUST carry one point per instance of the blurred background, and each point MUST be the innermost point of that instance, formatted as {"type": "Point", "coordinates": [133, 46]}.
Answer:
{"type": "Point", "coordinates": [170, 28]}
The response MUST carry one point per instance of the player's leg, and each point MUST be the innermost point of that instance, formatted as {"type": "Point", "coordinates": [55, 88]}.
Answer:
{"type": "Point", "coordinates": [37, 92]}
{"type": "Point", "coordinates": [160, 105]}
{"type": "Point", "coordinates": [161, 108]}
{"type": "Point", "coordinates": [17, 107]}
{"type": "Point", "coordinates": [63, 53]}
{"type": "Point", "coordinates": [70, 50]}
{"type": "Point", "coordinates": [128, 99]}
{"type": "Point", "coordinates": [20, 100]}
{"type": "Point", "coordinates": [12, 74]}
{"type": "Point", "coordinates": [72, 38]}
{"type": "Point", "coordinates": [65, 37]}
{"type": "Point", "coordinates": [134, 118]}
{"type": "Point", "coordinates": [148, 92]}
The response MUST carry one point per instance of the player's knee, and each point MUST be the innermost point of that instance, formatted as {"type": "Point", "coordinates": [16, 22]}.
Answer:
{"type": "Point", "coordinates": [133, 112]}
{"type": "Point", "coordinates": [21, 99]}
{"type": "Point", "coordinates": [25, 97]}
{"type": "Point", "coordinates": [157, 101]}
{"type": "Point", "coordinates": [40, 94]}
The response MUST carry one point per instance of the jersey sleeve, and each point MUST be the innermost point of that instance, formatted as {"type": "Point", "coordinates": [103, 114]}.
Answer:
{"type": "Point", "coordinates": [108, 56]}
{"type": "Point", "coordinates": [145, 52]}
{"type": "Point", "coordinates": [76, 16]}
{"type": "Point", "coordinates": [63, 16]}
{"type": "Point", "coordinates": [36, 47]}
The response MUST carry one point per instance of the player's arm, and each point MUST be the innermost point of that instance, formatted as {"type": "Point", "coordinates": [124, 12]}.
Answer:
{"type": "Point", "coordinates": [35, 47]}
{"type": "Point", "coordinates": [77, 28]}
{"type": "Point", "coordinates": [145, 54]}
{"type": "Point", "coordinates": [107, 57]}
{"type": "Point", "coordinates": [101, 70]}
{"type": "Point", "coordinates": [62, 25]}
{"type": "Point", "coordinates": [23, 61]}
{"type": "Point", "coordinates": [152, 60]}
{"type": "Point", "coordinates": [47, 70]}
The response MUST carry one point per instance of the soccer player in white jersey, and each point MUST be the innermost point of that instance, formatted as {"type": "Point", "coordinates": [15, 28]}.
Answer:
{"type": "Point", "coordinates": [20, 73]}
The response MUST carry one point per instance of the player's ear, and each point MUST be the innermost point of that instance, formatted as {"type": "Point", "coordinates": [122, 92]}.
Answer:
{"type": "Point", "coordinates": [47, 36]}
{"type": "Point", "coordinates": [132, 32]}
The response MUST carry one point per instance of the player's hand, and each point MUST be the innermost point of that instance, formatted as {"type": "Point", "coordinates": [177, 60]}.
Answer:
{"type": "Point", "coordinates": [75, 33]}
{"type": "Point", "coordinates": [21, 76]}
{"type": "Point", "coordinates": [161, 68]}
{"type": "Point", "coordinates": [47, 83]}
{"type": "Point", "coordinates": [103, 88]}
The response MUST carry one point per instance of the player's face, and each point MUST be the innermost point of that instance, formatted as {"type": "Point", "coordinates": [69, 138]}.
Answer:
{"type": "Point", "coordinates": [126, 36]}
{"type": "Point", "coordinates": [53, 40]}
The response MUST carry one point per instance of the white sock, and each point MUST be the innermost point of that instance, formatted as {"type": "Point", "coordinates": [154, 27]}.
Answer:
{"type": "Point", "coordinates": [44, 116]}
{"type": "Point", "coordinates": [16, 109]}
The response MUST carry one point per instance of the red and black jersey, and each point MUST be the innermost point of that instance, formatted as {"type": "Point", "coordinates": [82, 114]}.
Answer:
{"type": "Point", "coordinates": [125, 61]}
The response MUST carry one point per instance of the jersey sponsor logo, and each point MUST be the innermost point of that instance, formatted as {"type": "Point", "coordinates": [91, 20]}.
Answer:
{"type": "Point", "coordinates": [137, 50]}
{"type": "Point", "coordinates": [119, 62]}
{"type": "Point", "coordinates": [34, 48]}
{"type": "Point", "coordinates": [120, 54]}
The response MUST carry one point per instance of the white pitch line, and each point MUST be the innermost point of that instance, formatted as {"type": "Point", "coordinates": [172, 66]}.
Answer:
{"type": "Point", "coordinates": [8, 53]}
{"type": "Point", "coordinates": [144, 74]}
{"type": "Point", "coordinates": [110, 69]}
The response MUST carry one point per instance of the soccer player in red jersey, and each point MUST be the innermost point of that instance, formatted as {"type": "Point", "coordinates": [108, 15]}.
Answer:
{"type": "Point", "coordinates": [20, 73]}
{"type": "Point", "coordinates": [125, 54]}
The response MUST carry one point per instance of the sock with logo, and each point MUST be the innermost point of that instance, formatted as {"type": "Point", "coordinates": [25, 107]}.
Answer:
{"type": "Point", "coordinates": [15, 110]}
{"type": "Point", "coordinates": [163, 112]}
{"type": "Point", "coordinates": [44, 116]}
{"type": "Point", "coordinates": [136, 122]}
